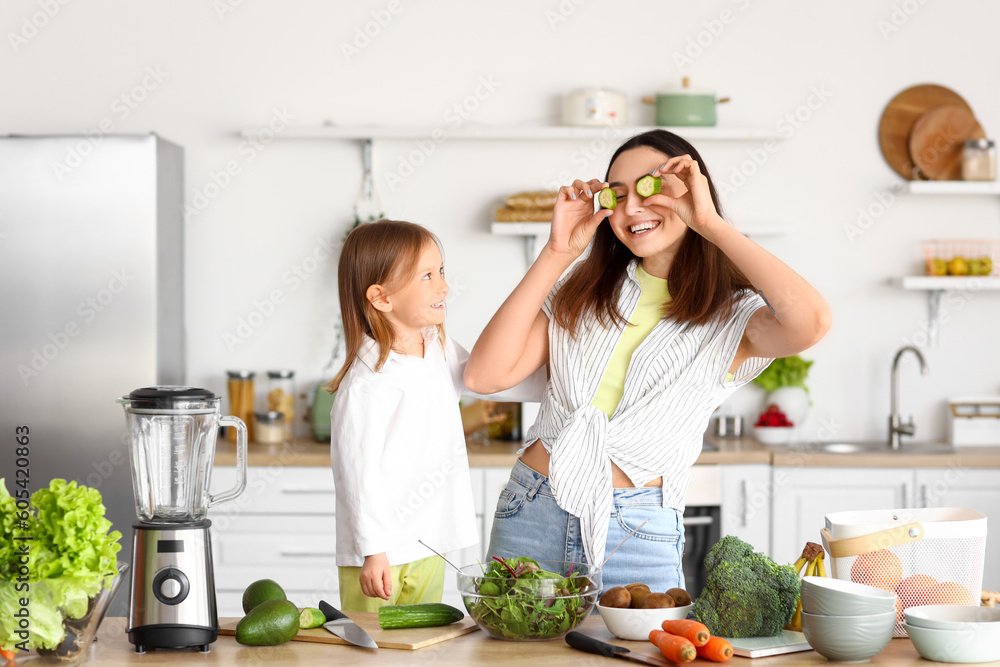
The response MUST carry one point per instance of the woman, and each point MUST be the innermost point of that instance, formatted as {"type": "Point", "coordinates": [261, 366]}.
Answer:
{"type": "Point", "coordinates": [664, 318]}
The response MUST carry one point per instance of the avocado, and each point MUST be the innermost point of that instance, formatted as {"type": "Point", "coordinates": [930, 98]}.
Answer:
{"type": "Point", "coordinates": [261, 591]}
{"type": "Point", "coordinates": [268, 624]}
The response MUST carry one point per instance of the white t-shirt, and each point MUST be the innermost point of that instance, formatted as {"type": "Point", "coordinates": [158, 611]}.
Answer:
{"type": "Point", "coordinates": [398, 452]}
{"type": "Point", "coordinates": [675, 379]}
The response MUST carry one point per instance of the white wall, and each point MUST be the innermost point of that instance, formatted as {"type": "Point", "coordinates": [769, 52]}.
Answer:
{"type": "Point", "coordinates": [229, 64]}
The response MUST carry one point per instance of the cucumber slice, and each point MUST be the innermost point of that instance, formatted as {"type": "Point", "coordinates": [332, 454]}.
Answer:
{"type": "Point", "coordinates": [607, 198]}
{"type": "Point", "coordinates": [648, 186]}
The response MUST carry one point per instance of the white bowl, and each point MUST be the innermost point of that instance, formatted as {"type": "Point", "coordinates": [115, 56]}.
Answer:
{"type": "Point", "coordinates": [773, 435]}
{"type": "Point", "coordinates": [839, 597]}
{"type": "Point", "coordinates": [953, 617]}
{"type": "Point", "coordinates": [848, 638]}
{"type": "Point", "coordinates": [979, 643]}
{"type": "Point", "coordinates": [636, 624]}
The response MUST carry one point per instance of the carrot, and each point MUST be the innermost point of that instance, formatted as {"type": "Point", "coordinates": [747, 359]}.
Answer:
{"type": "Point", "coordinates": [8, 655]}
{"type": "Point", "coordinates": [717, 650]}
{"type": "Point", "coordinates": [674, 648]}
{"type": "Point", "coordinates": [695, 632]}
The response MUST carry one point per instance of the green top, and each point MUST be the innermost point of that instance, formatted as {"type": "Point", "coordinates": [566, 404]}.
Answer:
{"type": "Point", "coordinates": [647, 313]}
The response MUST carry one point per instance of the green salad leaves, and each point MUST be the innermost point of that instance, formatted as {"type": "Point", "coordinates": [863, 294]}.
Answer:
{"type": "Point", "coordinates": [57, 553]}
{"type": "Point", "coordinates": [517, 599]}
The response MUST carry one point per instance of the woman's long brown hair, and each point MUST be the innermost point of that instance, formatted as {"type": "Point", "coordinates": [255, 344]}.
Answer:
{"type": "Point", "coordinates": [375, 253]}
{"type": "Point", "coordinates": [702, 281]}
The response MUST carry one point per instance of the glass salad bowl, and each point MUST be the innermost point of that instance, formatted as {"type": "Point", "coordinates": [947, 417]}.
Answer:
{"type": "Point", "coordinates": [520, 599]}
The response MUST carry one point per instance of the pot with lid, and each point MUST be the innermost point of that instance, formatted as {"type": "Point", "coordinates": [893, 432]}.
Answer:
{"type": "Point", "coordinates": [685, 106]}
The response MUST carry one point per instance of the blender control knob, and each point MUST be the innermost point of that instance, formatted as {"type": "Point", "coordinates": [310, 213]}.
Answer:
{"type": "Point", "coordinates": [170, 586]}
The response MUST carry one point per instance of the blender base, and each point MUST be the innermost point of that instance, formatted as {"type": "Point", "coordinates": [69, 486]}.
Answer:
{"type": "Point", "coordinates": [172, 637]}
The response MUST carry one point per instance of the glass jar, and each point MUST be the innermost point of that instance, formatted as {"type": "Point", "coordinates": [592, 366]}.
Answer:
{"type": "Point", "coordinates": [241, 401]}
{"type": "Point", "coordinates": [269, 427]}
{"type": "Point", "coordinates": [281, 398]}
{"type": "Point", "coordinates": [979, 160]}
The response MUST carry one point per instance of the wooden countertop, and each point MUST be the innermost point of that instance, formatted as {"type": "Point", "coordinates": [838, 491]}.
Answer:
{"type": "Point", "coordinates": [113, 650]}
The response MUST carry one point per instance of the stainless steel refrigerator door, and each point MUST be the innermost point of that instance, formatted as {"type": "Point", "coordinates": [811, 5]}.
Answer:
{"type": "Point", "coordinates": [91, 305]}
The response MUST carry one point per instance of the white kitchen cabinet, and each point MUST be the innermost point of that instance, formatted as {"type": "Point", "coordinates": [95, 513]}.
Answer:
{"type": "Point", "coordinates": [973, 489]}
{"type": "Point", "coordinates": [802, 497]}
{"type": "Point", "coordinates": [746, 504]}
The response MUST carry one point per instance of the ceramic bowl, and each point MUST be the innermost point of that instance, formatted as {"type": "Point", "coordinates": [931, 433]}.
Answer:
{"type": "Point", "coordinates": [838, 597]}
{"type": "Point", "coordinates": [636, 624]}
{"type": "Point", "coordinates": [773, 435]}
{"type": "Point", "coordinates": [954, 617]}
{"type": "Point", "coordinates": [977, 643]}
{"type": "Point", "coordinates": [848, 638]}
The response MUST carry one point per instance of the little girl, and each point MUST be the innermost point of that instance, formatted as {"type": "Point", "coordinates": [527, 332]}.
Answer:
{"type": "Point", "coordinates": [397, 445]}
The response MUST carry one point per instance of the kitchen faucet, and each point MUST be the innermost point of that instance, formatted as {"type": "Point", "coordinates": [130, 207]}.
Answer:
{"type": "Point", "coordinates": [896, 428]}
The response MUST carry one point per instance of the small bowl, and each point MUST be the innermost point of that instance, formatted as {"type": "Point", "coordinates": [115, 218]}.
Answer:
{"type": "Point", "coordinates": [848, 638]}
{"type": "Point", "coordinates": [636, 624]}
{"type": "Point", "coordinates": [953, 617]}
{"type": "Point", "coordinates": [773, 435]}
{"type": "Point", "coordinates": [839, 597]}
{"type": "Point", "coordinates": [978, 643]}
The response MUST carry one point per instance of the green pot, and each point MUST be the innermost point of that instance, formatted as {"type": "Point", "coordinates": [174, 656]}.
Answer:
{"type": "Point", "coordinates": [685, 107]}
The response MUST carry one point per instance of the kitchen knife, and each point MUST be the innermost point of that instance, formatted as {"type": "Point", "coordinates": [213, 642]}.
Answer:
{"type": "Point", "coordinates": [583, 642]}
{"type": "Point", "coordinates": [345, 628]}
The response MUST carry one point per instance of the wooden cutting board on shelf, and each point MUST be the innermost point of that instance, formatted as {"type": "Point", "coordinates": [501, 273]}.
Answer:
{"type": "Point", "coordinates": [936, 141]}
{"type": "Point", "coordinates": [407, 639]}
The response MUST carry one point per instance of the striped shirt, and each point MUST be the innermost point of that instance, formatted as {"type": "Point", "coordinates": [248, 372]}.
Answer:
{"type": "Point", "coordinates": [675, 380]}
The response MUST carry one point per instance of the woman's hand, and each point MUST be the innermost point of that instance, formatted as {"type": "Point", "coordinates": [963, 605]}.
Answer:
{"type": "Point", "coordinates": [573, 220]}
{"type": "Point", "coordinates": [376, 577]}
{"type": "Point", "coordinates": [694, 206]}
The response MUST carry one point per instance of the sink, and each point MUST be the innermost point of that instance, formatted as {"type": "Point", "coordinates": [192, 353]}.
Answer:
{"type": "Point", "coordinates": [880, 447]}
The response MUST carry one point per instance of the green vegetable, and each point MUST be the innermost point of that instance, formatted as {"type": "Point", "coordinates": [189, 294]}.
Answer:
{"type": "Point", "coordinates": [262, 590]}
{"type": "Point", "coordinates": [784, 372]}
{"type": "Point", "coordinates": [417, 615]}
{"type": "Point", "coordinates": [517, 599]}
{"type": "Point", "coordinates": [270, 623]}
{"type": "Point", "coordinates": [746, 593]}
{"type": "Point", "coordinates": [310, 617]}
{"type": "Point", "coordinates": [71, 556]}
{"type": "Point", "coordinates": [607, 198]}
{"type": "Point", "coordinates": [648, 185]}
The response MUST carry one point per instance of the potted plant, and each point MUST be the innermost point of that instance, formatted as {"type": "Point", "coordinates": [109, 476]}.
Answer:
{"type": "Point", "coordinates": [785, 383]}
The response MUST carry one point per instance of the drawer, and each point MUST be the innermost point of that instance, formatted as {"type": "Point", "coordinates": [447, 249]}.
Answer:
{"type": "Point", "coordinates": [303, 578]}
{"type": "Point", "coordinates": [278, 490]}
{"type": "Point", "coordinates": [289, 551]}
{"type": "Point", "coordinates": [271, 524]}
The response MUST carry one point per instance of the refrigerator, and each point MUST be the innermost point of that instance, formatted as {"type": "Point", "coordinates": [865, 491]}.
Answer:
{"type": "Point", "coordinates": [91, 304]}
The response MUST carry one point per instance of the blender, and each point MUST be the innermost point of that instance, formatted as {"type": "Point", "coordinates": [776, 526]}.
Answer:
{"type": "Point", "coordinates": [172, 433]}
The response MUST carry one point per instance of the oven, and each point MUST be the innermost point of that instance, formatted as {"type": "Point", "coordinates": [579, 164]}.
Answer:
{"type": "Point", "coordinates": [702, 524]}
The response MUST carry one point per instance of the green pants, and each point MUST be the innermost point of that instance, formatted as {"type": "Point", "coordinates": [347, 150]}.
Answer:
{"type": "Point", "coordinates": [412, 583]}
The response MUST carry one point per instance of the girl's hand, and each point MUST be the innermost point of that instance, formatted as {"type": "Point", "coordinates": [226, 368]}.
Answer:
{"type": "Point", "coordinates": [376, 577]}
{"type": "Point", "coordinates": [694, 206]}
{"type": "Point", "coordinates": [573, 220]}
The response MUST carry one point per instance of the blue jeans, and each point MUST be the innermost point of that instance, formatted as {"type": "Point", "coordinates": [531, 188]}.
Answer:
{"type": "Point", "coordinates": [528, 522]}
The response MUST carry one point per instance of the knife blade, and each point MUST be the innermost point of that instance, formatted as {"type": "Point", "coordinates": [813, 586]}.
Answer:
{"type": "Point", "coordinates": [340, 625]}
{"type": "Point", "coordinates": [583, 642]}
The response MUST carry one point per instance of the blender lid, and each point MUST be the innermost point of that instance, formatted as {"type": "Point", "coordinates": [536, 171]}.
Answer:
{"type": "Point", "coordinates": [170, 397]}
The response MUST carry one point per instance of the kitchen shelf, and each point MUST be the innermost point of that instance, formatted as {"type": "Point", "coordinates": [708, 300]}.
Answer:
{"type": "Point", "coordinates": [935, 286]}
{"type": "Point", "coordinates": [500, 132]}
{"type": "Point", "coordinates": [953, 187]}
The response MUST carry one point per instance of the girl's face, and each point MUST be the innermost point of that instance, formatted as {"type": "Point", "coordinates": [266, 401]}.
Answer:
{"type": "Point", "coordinates": [646, 233]}
{"type": "Point", "coordinates": [419, 302]}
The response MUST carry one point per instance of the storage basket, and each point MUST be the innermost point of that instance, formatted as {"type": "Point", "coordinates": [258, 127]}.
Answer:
{"type": "Point", "coordinates": [925, 556]}
{"type": "Point", "coordinates": [961, 257]}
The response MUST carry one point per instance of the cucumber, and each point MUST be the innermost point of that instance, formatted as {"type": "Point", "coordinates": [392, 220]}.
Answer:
{"type": "Point", "coordinates": [417, 615]}
{"type": "Point", "coordinates": [648, 186]}
{"type": "Point", "coordinates": [607, 198]}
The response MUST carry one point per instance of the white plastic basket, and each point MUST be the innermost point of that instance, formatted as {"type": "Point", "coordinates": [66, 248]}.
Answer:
{"type": "Point", "coordinates": [925, 556]}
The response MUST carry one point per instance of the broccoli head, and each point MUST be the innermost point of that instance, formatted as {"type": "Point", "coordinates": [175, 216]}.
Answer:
{"type": "Point", "coordinates": [746, 593]}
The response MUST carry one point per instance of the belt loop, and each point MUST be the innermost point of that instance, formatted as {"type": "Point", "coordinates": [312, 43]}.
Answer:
{"type": "Point", "coordinates": [534, 489]}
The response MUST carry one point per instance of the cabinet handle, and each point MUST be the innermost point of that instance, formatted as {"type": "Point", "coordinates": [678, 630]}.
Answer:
{"type": "Point", "coordinates": [905, 504]}
{"type": "Point", "coordinates": [698, 521]}
{"type": "Point", "coordinates": [923, 495]}
{"type": "Point", "coordinates": [307, 554]}
{"type": "Point", "coordinates": [743, 503]}
{"type": "Point", "coordinates": [302, 492]}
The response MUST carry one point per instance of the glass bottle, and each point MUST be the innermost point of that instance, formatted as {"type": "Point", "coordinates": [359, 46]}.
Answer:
{"type": "Point", "coordinates": [281, 398]}
{"type": "Point", "coordinates": [979, 160]}
{"type": "Point", "coordinates": [241, 401]}
{"type": "Point", "coordinates": [269, 427]}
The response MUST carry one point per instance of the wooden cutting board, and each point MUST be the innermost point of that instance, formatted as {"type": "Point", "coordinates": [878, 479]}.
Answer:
{"type": "Point", "coordinates": [936, 141]}
{"type": "Point", "coordinates": [403, 638]}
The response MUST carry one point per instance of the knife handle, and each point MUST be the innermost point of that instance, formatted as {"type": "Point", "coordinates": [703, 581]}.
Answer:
{"type": "Point", "coordinates": [331, 613]}
{"type": "Point", "coordinates": [583, 642]}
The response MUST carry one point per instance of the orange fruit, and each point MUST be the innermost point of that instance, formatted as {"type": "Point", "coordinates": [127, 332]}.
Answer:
{"type": "Point", "coordinates": [912, 591]}
{"type": "Point", "coordinates": [948, 592]}
{"type": "Point", "coordinates": [880, 569]}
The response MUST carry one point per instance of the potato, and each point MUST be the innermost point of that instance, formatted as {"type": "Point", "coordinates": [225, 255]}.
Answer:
{"type": "Point", "coordinates": [616, 597]}
{"type": "Point", "coordinates": [631, 586]}
{"type": "Point", "coordinates": [639, 595]}
{"type": "Point", "coordinates": [658, 601]}
{"type": "Point", "coordinates": [680, 596]}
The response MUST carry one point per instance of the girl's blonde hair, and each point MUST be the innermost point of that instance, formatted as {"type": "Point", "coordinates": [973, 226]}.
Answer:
{"type": "Point", "coordinates": [375, 253]}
